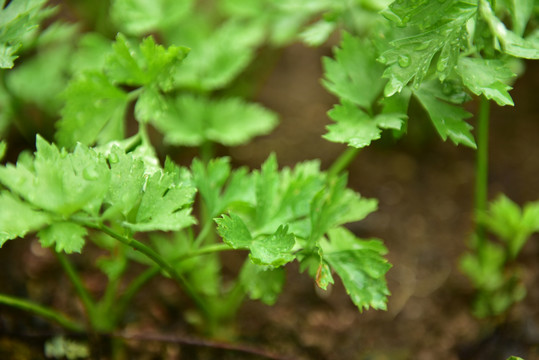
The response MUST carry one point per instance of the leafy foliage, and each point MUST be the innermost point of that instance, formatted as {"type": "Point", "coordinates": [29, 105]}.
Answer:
{"type": "Point", "coordinates": [62, 190]}
{"type": "Point", "coordinates": [278, 228]}
{"type": "Point", "coordinates": [439, 50]}
{"type": "Point", "coordinates": [17, 20]}
{"type": "Point", "coordinates": [498, 285]}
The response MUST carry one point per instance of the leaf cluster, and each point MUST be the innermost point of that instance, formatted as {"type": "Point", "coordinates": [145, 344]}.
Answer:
{"type": "Point", "coordinates": [438, 52]}
{"type": "Point", "coordinates": [492, 266]}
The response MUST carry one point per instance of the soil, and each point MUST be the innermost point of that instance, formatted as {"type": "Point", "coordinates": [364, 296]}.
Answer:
{"type": "Point", "coordinates": [425, 192]}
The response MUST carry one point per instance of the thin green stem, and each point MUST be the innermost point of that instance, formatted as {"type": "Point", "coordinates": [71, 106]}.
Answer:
{"type": "Point", "coordinates": [158, 259]}
{"type": "Point", "coordinates": [204, 233]}
{"type": "Point", "coordinates": [42, 311]}
{"type": "Point", "coordinates": [343, 161]}
{"type": "Point", "coordinates": [208, 249]}
{"type": "Point", "coordinates": [134, 288]}
{"type": "Point", "coordinates": [206, 151]}
{"type": "Point", "coordinates": [481, 172]}
{"type": "Point", "coordinates": [84, 295]}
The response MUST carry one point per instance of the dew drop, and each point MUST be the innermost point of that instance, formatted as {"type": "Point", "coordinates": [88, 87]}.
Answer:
{"type": "Point", "coordinates": [90, 173]}
{"type": "Point", "coordinates": [382, 59]}
{"type": "Point", "coordinates": [422, 46]}
{"type": "Point", "coordinates": [404, 61]}
{"type": "Point", "coordinates": [442, 65]}
{"type": "Point", "coordinates": [113, 158]}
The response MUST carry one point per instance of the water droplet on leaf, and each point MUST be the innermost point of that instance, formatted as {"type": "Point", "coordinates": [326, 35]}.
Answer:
{"type": "Point", "coordinates": [404, 61]}
{"type": "Point", "coordinates": [382, 59]}
{"type": "Point", "coordinates": [442, 65]}
{"type": "Point", "coordinates": [422, 46]}
{"type": "Point", "coordinates": [90, 173]}
{"type": "Point", "coordinates": [113, 158]}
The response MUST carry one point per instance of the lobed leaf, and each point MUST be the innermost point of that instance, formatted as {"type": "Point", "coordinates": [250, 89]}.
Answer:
{"type": "Point", "coordinates": [60, 182]}
{"type": "Point", "coordinates": [192, 121]}
{"type": "Point", "coordinates": [139, 17]}
{"type": "Point", "coordinates": [447, 118]}
{"type": "Point", "coordinates": [18, 218]}
{"type": "Point", "coordinates": [165, 204]}
{"type": "Point", "coordinates": [219, 57]}
{"type": "Point", "coordinates": [262, 282]}
{"type": "Point", "coordinates": [353, 126]}
{"type": "Point", "coordinates": [487, 77]}
{"type": "Point", "coordinates": [427, 33]}
{"type": "Point", "coordinates": [354, 75]}
{"type": "Point", "coordinates": [149, 63]}
{"type": "Point", "coordinates": [17, 19]}
{"type": "Point", "coordinates": [94, 111]}
{"type": "Point", "coordinates": [512, 43]}
{"type": "Point", "coordinates": [64, 236]}
{"type": "Point", "coordinates": [361, 267]}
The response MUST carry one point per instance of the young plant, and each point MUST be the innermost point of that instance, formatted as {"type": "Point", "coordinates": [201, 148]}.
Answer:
{"type": "Point", "coordinates": [493, 266]}
{"type": "Point", "coordinates": [98, 185]}
{"type": "Point", "coordinates": [438, 53]}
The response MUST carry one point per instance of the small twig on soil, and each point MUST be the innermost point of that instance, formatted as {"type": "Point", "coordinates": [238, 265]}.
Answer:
{"type": "Point", "coordinates": [199, 342]}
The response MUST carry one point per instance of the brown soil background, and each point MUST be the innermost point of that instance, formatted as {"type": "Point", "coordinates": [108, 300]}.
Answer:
{"type": "Point", "coordinates": [425, 192]}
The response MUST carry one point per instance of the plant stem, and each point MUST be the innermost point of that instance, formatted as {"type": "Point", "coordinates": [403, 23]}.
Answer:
{"type": "Point", "coordinates": [206, 151]}
{"type": "Point", "coordinates": [134, 287]}
{"type": "Point", "coordinates": [41, 311]}
{"type": "Point", "coordinates": [158, 259]}
{"type": "Point", "coordinates": [481, 171]}
{"type": "Point", "coordinates": [208, 249]}
{"type": "Point", "coordinates": [343, 161]}
{"type": "Point", "coordinates": [84, 295]}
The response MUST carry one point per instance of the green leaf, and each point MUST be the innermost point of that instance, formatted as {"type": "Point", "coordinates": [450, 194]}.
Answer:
{"type": "Point", "coordinates": [266, 187]}
{"type": "Point", "coordinates": [17, 19]}
{"type": "Point", "coordinates": [337, 205]}
{"type": "Point", "coordinates": [511, 223]}
{"type": "Point", "coordinates": [192, 121]}
{"type": "Point", "coordinates": [94, 112]}
{"type": "Point", "coordinates": [150, 105]}
{"type": "Point", "coordinates": [271, 250]}
{"type": "Point", "coordinates": [92, 51]}
{"type": "Point", "coordinates": [487, 77]}
{"type": "Point", "coordinates": [219, 187]}
{"type": "Point", "coordinates": [112, 266]}
{"type": "Point", "coordinates": [64, 236]}
{"type": "Point", "coordinates": [126, 183]}
{"type": "Point", "coordinates": [485, 273]}
{"type": "Point", "coordinates": [218, 58]}
{"type": "Point", "coordinates": [431, 28]}
{"type": "Point", "coordinates": [18, 218]}
{"type": "Point", "coordinates": [274, 250]}
{"type": "Point", "coordinates": [447, 118]}
{"type": "Point", "coordinates": [138, 17]}
{"type": "Point", "coordinates": [521, 11]}
{"type": "Point", "coordinates": [48, 69]}
{"type": "Point", "coordinates": [146, 64]}
{"type": "Point", "coordinates": [262, 282]}
{"type": "Point", "coordinates": [353, 126]}
{"type": "Point", "coordinates": [234, 231]}
{"type": "Point", "coordinates": [165, 204]}
{"type": "Point", "coordinates": [354, 75]}
{"type": "Point", "coordinates": [512, 43]}
{"type": "Point", "coordinates": [60, 182]}
{"type": "Point", "coordinates": [361, 267]}
{"type": "Point", "coordinates": [318, 33]}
